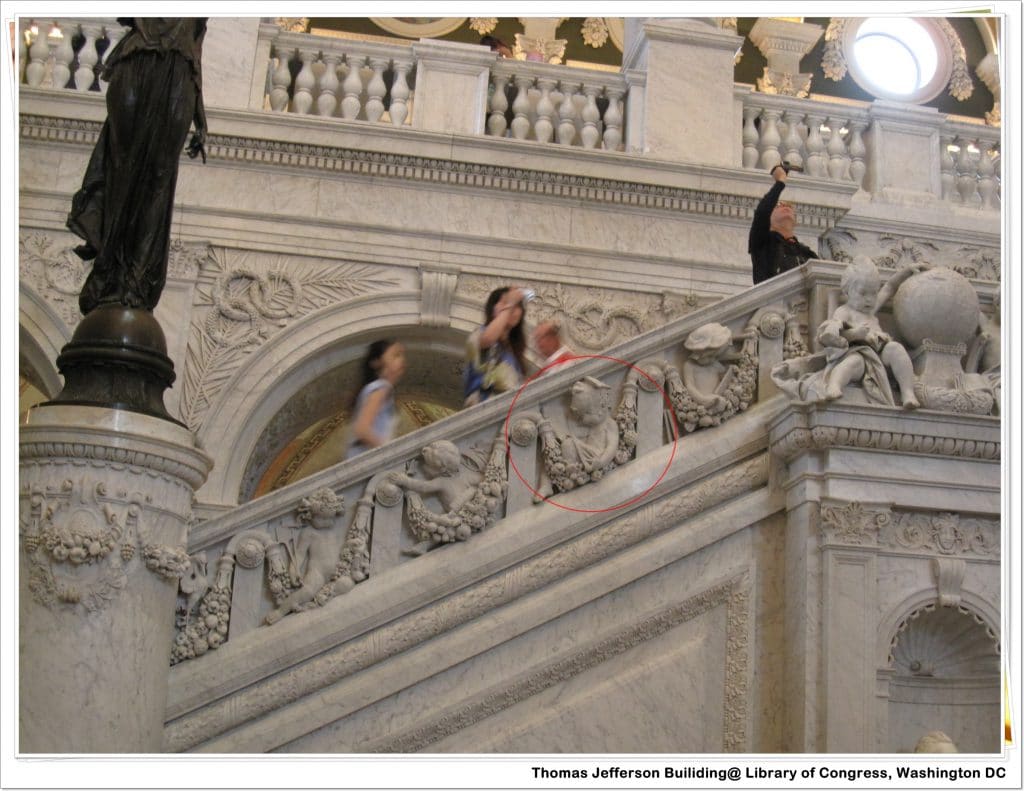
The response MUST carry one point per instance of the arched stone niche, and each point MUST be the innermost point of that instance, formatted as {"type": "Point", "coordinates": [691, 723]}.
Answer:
{"type": "Point", "coordinates": [943, 674]}
{"type": "Point", "coordinates": [308, 432]}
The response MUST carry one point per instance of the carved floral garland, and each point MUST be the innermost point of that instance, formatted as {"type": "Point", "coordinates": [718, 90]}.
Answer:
{"type": "Point", "coordinates": [739, 395]}
{"type": "Point", "coordinates": [475, 515]}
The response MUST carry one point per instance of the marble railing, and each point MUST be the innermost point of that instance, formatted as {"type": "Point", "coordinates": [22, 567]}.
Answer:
{"type": "Point", "coordinates": [66, 53]}
{"type": "Point", "coordinates": [561, 437]}
{"type": "Point", "coordinates": [969, 165]}
{"type": "Point", "coordinates": [338, 78]}
{"type": "Point", "coordinates": [570, 107]}
{"type": "Point", "coordinates": [828, 140]}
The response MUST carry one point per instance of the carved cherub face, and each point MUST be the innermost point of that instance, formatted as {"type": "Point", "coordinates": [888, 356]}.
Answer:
{"type": "Point", "coordinates": [440, 458]}
{"type": "Point", "coordinates": [862, 291]}
{"type": "Point", "coordinates": [589, 400]}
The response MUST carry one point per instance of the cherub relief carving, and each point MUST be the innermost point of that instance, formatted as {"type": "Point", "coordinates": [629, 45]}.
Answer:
{"type": "Point", "coordinates": [470, 489]}
{"type": "Point", "coordinates": [314, 553]}
{"type": "Point", "coordinates": [984, 357]}
{"type": "Point", "coordinates": [714, 383]}
{"type": "Point", "coordinates": [588, 450]}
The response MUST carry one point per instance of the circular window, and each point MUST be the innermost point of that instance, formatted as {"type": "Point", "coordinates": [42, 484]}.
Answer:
{"type": "Point", "coordinates": [907, 60]}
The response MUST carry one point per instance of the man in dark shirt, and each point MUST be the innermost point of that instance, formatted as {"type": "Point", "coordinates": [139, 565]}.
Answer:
{"type": "Point", "coordinates": [773, 247]}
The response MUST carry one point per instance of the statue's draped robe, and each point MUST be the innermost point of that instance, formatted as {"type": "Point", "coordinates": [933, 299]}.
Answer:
{"type": "Point", "coordinates": [123, 210]}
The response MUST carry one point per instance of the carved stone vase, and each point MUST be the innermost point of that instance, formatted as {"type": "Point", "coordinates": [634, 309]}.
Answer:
{"type": "Point", "coordinates": [105, 498]}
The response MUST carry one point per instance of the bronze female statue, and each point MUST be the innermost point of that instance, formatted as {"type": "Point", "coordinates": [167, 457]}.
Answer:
{"type": "Point", "coordinates": [123, 210]}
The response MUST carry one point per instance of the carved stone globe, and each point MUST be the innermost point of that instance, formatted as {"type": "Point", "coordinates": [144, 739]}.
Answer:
{"type": "Point", "coordinates": [940, 305]}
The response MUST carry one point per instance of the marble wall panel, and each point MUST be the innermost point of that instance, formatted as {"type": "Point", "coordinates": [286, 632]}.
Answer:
{"type": "Point", "coordinates": [230, 189]}
{"type": "Point", "coordinates": [593, 680]}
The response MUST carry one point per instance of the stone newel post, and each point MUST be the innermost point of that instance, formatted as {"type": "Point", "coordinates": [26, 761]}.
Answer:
{"type": "Point", "coordinates": [105, 499]}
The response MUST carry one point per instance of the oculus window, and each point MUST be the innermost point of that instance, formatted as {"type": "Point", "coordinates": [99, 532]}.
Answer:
{"type": "Point", "coordinates": [906, 60]}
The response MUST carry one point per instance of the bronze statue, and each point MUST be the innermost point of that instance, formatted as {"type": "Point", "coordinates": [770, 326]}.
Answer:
{"type": "Point", "coordinates": [123, 210]}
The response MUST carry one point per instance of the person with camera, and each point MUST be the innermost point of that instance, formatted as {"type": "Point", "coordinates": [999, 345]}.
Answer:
{"type": "Point", "coordinates": [495, 352]}
{"type": "Point", "coordinates": [772, 245]}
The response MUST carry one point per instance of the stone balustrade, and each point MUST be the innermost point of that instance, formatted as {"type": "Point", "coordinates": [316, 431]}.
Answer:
{"type": "Point", "coordinates": [553, 104]}
{"type": "Point", "coordinates": [66, 53]}
{"type": "Point", "coordinates": [825, 139]}
{"type": "Point", "coordinates": [338, 78]}
{"type": "Point", "coordinates": [970, 165]}
{"type": "Point", "coordinates": [834, 141]}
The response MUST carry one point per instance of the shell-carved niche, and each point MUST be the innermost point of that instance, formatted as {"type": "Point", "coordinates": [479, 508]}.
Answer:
{"type": "Point", "coordinates": [944, 642]}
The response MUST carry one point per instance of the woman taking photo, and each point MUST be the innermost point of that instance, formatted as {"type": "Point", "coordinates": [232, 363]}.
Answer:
{"type": "Point", "coordinates": [495, 351]}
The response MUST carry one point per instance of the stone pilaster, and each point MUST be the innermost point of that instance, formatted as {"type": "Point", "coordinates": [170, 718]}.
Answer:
{"type": "Point", "coordinates": [451, 87]}
{"type": "Point", "coordinates": [105, 500]}
{"type": "Point", "coordinates": [689, 64]}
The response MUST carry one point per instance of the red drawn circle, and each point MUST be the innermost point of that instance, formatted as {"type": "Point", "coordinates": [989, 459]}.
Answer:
{"type": "Point", "coordinates": [645, 492]}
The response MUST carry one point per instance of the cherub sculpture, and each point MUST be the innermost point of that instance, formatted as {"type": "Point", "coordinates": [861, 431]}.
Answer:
{"type": "Point", "coordinates": [445, 477]}
{"type": "Point", "coordinates": [315, 552]}
{"type": "Point", "coordinates": [704, 374]}
{"type": "Point", "coordinates": [588, 451]}
{"type": "Point", "coordinates": [715, 382]}
{"type": "Point", "coordinates": [856, 348]}
{"type": "Point", "coordinates": [984, 358]}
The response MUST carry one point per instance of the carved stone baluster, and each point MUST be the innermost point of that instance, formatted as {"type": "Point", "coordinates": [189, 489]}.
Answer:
{"type": "Point", "coordinates": [63, 55]}
{"type": "Point", "coordinates": [567, 114]}
{"type": "Point", "coordinates": [38, 53]}
{"type": "Point", "coordinates": [521, 108]}
{"type": "Point", "coordinates": [967, 173]}
{"type": "Point", "coordinates": [281, 81]}
{"type": "Point", "coordinates": [114, 34]}
{"type": "Point", "coordinates": [857, 152]}
{"type": "Point", "coordinates": [947, 169]}
{"type": "Point", "coordinates": [376, 89]}
{"type": "Point", "coordinates": [544, 127]}
{"type": "Point", "coordinates": [497, 124]}
{"type": "Point", "coordinates": [986, 174]}
{"type": "Point", "coordinates": [613, 120]}
{"type": "Point", "coordinates": [815, 147]}
{"type": "Point", "coordinates": [327, 95]}
{"type": "Point", "coordinates": [770, 139]}
{"type": "Point", "coordinates": [792, 144]}
{"type": "Point", "coordinates": [305, 81]}
{"type": "Point", "coordinates": [351, 104]}
{"type": "Point", "coordinates": [838, 159]}
{"type": "Point", "coordinates": [590, 134]}
{"type": "Point", "coordinates": [88, 57]}
{"type": "Point", "coordinates": [399, 107]}
{"type": "Point", "coordinates": [750, 137]}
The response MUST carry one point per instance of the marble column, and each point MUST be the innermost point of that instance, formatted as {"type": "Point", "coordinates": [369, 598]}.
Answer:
{"type": "Point", "coordinates": [105, 497]}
